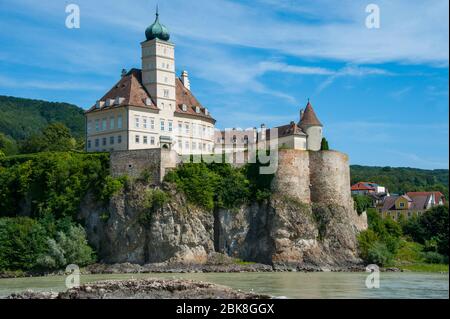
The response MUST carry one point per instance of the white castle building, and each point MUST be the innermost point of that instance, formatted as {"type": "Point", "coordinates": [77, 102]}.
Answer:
{"type": "Point", "coordinates": [153, 108]}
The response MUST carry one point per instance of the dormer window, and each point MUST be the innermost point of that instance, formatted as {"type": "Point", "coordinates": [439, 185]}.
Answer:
{"type": "Point", "coordinates": [148, 101]}
{"type": "Point", "coordinates": [206, 112]}
{"type": "Point", "coordinates": [184, 107]}
{"type": "Point", "coordinates": [197, 109]}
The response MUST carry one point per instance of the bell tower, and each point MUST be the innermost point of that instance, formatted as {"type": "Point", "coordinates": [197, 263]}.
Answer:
{"type": "Point", "coordinates": [158, 67]}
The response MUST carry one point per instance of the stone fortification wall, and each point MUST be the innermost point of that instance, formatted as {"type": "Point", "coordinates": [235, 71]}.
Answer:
{"type": "Point", "coordinates": [321, 177]}
{"type": "Point", "coordinates": [154, 162]}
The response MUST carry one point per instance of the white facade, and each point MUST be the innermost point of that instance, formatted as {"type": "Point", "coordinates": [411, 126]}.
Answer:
{"type": "Point", "coordinates": [123, 126]}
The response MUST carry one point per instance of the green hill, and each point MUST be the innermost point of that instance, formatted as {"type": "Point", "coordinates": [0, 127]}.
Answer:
{"type": "Point", "coordinates": [20, 118]}
{"type": "Point", "coordinates": [402, 179]}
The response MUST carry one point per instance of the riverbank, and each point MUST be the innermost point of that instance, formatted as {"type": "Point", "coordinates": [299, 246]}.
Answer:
{"type": "Point", "coordinates": [128, 268]}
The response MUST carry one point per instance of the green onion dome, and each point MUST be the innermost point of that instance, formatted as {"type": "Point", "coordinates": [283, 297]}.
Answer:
{"type": "Point", "coordinates": [157, 30]}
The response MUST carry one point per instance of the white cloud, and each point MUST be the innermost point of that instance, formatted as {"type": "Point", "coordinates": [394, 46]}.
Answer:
{"type": "Point", "coordinates": [48, 85]}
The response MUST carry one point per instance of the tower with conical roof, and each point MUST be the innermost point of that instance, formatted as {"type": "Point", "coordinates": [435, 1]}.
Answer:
{"type": "Point", "coordinates": [311, 125]}
{"type": "Point", "coordinates": [158, 67]}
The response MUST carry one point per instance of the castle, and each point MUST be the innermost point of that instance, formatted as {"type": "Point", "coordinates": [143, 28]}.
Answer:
{"type": "Point", "coordinates": [152, 108]}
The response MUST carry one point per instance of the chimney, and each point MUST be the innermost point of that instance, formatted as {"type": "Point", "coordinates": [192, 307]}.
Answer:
{"type": "Point", "coordinates": [124, 72]}
{"type": "Point", "coordinates": [185, 80]}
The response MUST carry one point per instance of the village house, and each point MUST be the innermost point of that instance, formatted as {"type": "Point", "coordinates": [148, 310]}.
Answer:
{"type": "Point", "coordinates": [410, 204]}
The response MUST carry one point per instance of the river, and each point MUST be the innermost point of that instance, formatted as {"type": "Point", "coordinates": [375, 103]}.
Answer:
{"type": "Point", "coordinates": [285, 284]}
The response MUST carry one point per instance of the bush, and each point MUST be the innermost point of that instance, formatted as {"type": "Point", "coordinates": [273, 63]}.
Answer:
{"type": "Point", "coordinates": [50, 182]}
{"type": "Point", "coordinates": [432, 226]}
{"type": "Point", "coordinates": [27, 244]}
{"type": "Point", "coordinates": [431, 257]}
{"type": "Point", "coordinates": [22, 241]}
{"type": "Point", "coordinates": [211, 185]}
{"type": "Point", "coordinates": [362, 203]}
{"type": "Point", "coordinates": [379, 254]}
{"type": "Point", "coordinates": [365, 241]}
{"type": "Point", "coordinates": [112, 186]}
{"type": "Point", "coordinates": [154, 199]}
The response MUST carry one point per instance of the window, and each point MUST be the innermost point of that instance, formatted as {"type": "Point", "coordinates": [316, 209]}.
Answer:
{"type": "Point", "coordinates": [402, 204]}
{"type": "Point", "coordinates": [152, 140]}
{"type": "Point", "coordinates": [97, 125]}
{"type": "Point", "coordinates": [162, 125]}
{"type": "Point", "coordinates": [180, 145]}
{"type": "Point", "coordinates": [168, 65]}
{"type": "Point", "coordinates": [180, 128]}
{"type": "Point", "coordinates": [89, 124]}
{"type": "Point", "coordinates": [111, 122]}
{"type": "Point", "coordinates": [104, 141]}
{"type": "Point", "coordinates": [194, 146]}
{"type": "Point", "coordinates": [89, 144]}
{"type": "Point", "coordinates": [144, 122]}
{"type": "Point", "coordinates": [104, 125]}
{"type": "Point", "coordinates": [186, 128]}
{"type": "Point", "coordinates": [170, 126]}
{"type": "Point", "coordinates": [166, 93]}
{"type": "Point", "coordinates": [136, 122]}
{"type": "Point", "coordinates": [119, 139]}
{"type": "Point", "coordinates": [186, 145]}
{"type": "Point", "coordinates": [163, 65]}
{"type": "Point", "coordinates": [137, 139]}
{"type": "Point", "coordinates": [152, 123]}
{"type": "Point", "coordinates": [119, 121]}
{"type": "Point", "coordinates": [111, 140]}
{"type": "Point", "coordinates": [145, 140]}
{"type": "Point", "coordinates": [204, 146]}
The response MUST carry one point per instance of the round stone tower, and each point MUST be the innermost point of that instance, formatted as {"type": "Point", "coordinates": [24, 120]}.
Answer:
{"type": "Point", "coordinates": [311, 125]}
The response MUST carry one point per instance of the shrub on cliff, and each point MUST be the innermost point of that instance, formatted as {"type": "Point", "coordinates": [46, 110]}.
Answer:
{"type": "Point", "coordinates": [211, 185]}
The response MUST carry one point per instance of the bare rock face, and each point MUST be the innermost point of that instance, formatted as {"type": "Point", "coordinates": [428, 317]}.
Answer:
{"type": "Point", "coordinates": [174, 233]}
{"type": "Point", "coordinates": [291, 235]}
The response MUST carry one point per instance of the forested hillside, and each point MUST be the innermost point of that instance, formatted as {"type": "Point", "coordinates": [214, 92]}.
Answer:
{"type": "Point", "coordinates": [402, 179]}
{"type": "Point", "coordinates": [20, 118]}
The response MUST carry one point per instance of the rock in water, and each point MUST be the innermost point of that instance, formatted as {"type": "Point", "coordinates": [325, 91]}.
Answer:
{"type": "Point", "coordinates": [145, 289]}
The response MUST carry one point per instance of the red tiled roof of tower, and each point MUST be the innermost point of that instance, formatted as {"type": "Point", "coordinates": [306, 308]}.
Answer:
{"type": "Point", "coordinates": [309, 117]}
{"type": "Point", "coordinates": [134, 93]}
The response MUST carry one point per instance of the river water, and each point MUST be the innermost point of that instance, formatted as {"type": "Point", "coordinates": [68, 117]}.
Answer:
{"type": "Point", "coordinates": [285, 284]}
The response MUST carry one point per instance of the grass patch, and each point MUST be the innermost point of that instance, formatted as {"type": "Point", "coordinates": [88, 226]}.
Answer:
{"type": "Point", "coordinates": [423, 267]}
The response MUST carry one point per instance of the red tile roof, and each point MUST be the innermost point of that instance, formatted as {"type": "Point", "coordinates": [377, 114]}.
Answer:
{"type": "Point", "coordinates": [362, 186]}
{"type": "Point", "coordinates": [309, 117]}
{"type": "Point", "coordinates": [134, 93]}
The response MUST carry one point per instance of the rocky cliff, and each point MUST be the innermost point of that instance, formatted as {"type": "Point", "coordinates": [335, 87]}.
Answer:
{"type": "Point", "coordinates": [282, 232]}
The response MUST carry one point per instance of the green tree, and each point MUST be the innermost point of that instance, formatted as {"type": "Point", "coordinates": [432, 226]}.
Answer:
{"type": "Point", "coordinates": [55, 137]}
{"type": "Point", "coordinates": [8, 146]}
{"type": "Point", "coordinates": [22, 241]}
{"type": "Point", "coordinates": [324, 145]}
{"type": "Point", "coordinates": [433, 225]}
{"type": "Point", "coordinates": [362, 203]}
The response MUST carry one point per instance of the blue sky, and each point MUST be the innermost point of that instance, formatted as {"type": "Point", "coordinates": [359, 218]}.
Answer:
{"type": "Point", "coordinates": [382, 94]}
